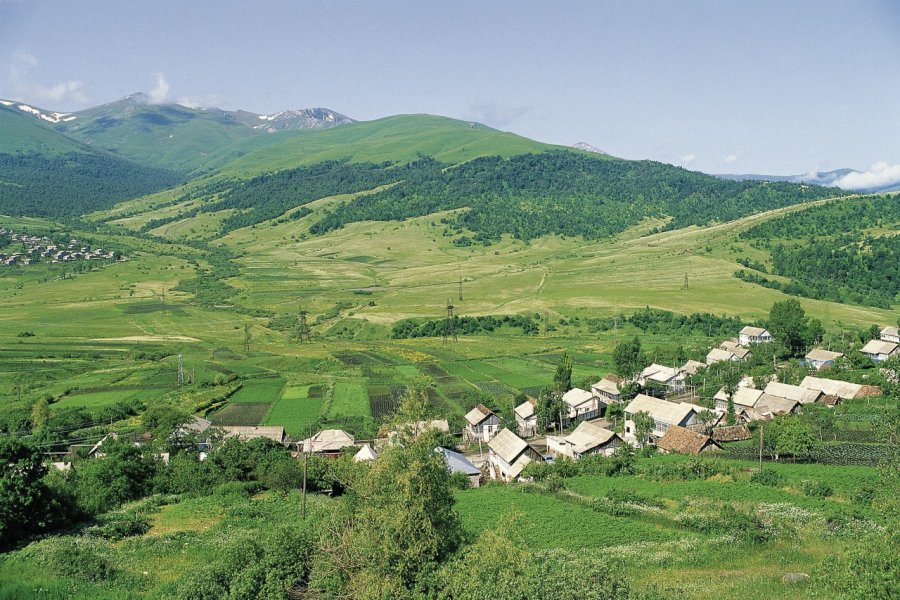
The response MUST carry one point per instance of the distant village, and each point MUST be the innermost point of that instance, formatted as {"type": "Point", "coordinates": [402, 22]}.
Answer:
{"type": "Point", "coordinates": [32, 249]}
{"type": "Point", "coordinates": [668, 420]}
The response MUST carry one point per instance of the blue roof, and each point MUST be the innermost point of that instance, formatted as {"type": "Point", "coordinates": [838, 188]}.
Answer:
{"type": "Point", "coordinates": [457, 463]}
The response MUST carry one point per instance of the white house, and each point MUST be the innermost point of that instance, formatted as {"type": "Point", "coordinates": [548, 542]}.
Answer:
{"type": "Point", "coordinates": [588, 438]}
{"type": "Point", "coordinates": [526, 419]}
{"type": "Point", "coordinates": [670, 377]}
{"type": "Point", "coordinates": [607, 389]}
{"type": "Point", "coordinates": [509, 455]}
{"type": "Point", "coordinates": [723, 355]}
{"type": "Point", "coordinates": [745, 399]}
{"type": "Point", "coordinates": [820, 358]}
{"type": "Point", "coordinates": [890, 334]}
{"type": "Point", "coordinates": [481, 424]}
{"type": "Point", "coordinates": [880, 351]}
{"type": "Point", "coordinates": [663, 413]}
{"type": "Point", "coordinates": [581, 404]}
{"type": "Point", "coordinates": [830, 387]}
{"type": "Point", "coordinates": [754, 335]}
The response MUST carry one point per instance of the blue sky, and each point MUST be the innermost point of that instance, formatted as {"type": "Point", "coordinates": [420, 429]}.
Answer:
{"type": "Point", "coordinates": [765, 87]}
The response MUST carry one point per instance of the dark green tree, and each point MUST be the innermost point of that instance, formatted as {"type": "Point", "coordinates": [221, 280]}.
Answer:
{"type": "Point", "coordinates": [26, 503]}
{"type": "Point", "coordinates": [629, 358]}
{"type": "Point", "coordinates": [562, 380]}
{"type": "Point", "coordinates": [790, 326]}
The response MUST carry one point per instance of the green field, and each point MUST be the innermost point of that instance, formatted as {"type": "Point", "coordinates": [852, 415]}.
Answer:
{"type": "Point", "coordinates": [296, 410]}
{"type": "Point", "coordinates": [253, 391]}
{"type": "Point", "coordinates": [350, 400]}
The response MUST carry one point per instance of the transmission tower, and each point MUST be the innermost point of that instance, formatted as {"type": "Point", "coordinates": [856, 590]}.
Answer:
{"type": "Point", "coordinates": [180, 378]}
{"type": "Point", "coordinates": [247, 338]}
{"type": "Point", "coordinates": [303, 328]}
{"type": "Point", "coordinates": [685, 286]}
{"type": "Point", "coordinates": [450, 324]}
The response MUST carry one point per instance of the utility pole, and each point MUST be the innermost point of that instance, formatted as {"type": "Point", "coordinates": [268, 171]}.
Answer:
{"type": "Point", "coordinates": [180, 377]}
{"type": "Point", "coordinates": [450, 325]}
{"type": "Point", "coordinates": [303, 328]}
{"type": "Point", "coordinates": [546, 323]}
{"type": "Point", "coordinates": [685, 286]}
{"type": "Point", "coordinates": [247, 338]}
{"type": "Point", "coordinates": [616, 327]}
{"type": "Point", "coordinates": [762, 431]}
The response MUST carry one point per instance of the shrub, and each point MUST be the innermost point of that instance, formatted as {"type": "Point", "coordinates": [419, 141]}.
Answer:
{"type": "Point", "coordinates": [117, 526]}
{"type": "Point", "coordinates": [816, 489]}
{"type": "Point", "coordinates": [79, 558]}
{"type": "Point", "coordinates": [769, 477]}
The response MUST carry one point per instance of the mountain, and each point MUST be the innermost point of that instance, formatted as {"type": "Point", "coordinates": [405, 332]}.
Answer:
{"type": "Point", "coordinates": [824, 178]}
{"type": "Point", "coordinates": [589, 148]}
{"type": "Point", "coordinates": [24, 131]}
{"type": "Point", "coordinates": [307, 118]}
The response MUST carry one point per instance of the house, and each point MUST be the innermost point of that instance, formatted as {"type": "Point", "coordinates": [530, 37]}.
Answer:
{"type": "Point", "coordinates": [880, 351]}
{"type": "Point", "coordinates": [607, 389]}
{"type": "Point", "coordinates": [366, 453]}
{"type": "Point", "coordinates": [509, 455]}
{"type": "Point", "coordinates": [481, 424]}
{"type": "Point", "coordinates": [457, 463]}
{"type": "Point", "coordinates": [793, 392]}
{"type": "Point", "coordinates": [769, 407]}
{"type": "Point", "coordinates": [684, 441]}
{"type": "Point", "coordinates": [670, 377]}
{"type": "Point", "coordinates": [588, 438]}
{"type": "Point", "coordinates": [720, 355]}
{"type": "Point", "coordinates": [328, 442]}
{"type": "Point", "coordinates": [692, 367]}
{"type": "Point", "coordinates": [581, 404]}
{"type": "Point", "coordinates": [745, 399]}
{"type": "Point", "coordinates": [735, 348]}
{"type": "Point", "coordinates": [754, 335]}
{"type": "Point", "coordinates": [842, 389]}
{"type": "Point", "coordinates": [820, 358]}
{"type": "Point", "coordinates": [890, 334]}
{"type": "Point", "coordinates": [734, 433]}
{"type": "Point", "coordinates": [663, 413]}
{"type": "Point", "coordinates": [526, 419]}
{"type": "Point", "coordinates": [246, 433]}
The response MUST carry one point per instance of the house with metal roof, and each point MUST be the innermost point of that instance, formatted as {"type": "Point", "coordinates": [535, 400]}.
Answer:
{"type": "Point", "coordinates": [588, 438]}
{"type": "Point", "coordinates": [890, 334]}
{"type": "Point", "coordinates": [754, 335]}
{"type": "Point", "coordinates": [799, 393]}
{"type": "Point", "coordinates": [481, 424]}
{"type": "Point", "coordinates": [880, 351]}
{"type": "Point", "coordinates": [664, 415]}
{"type": "Point", "coordinates": [457, 463]}
{"type": "Point", "coordinates": [526, 419]}
{"type": "Point", "coordinates": [670, 377]}
{"type": "Point", "coordinates": [745, 398]}
{"type": "Point", "coordinates": [509, 455]}
{"type": "Point", "coordinates": [328, 442]}
{"type": "Point", "coordinates": [842, 389]}
{"type": "Point", "coordinates": [819, 358]}
{"type": "Point", "coordinates": [607, 389]}
{"type": "Point", "coordinates": [581, 404]}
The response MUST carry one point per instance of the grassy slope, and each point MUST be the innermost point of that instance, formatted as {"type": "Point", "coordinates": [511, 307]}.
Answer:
{"type": "Point", "coordinates": [22, 133]}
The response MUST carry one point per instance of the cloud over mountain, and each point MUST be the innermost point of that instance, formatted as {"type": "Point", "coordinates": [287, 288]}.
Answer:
{"type": "Point", "coordinates": [879, 175]}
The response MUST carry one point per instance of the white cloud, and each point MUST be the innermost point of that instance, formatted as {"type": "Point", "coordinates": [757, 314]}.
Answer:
{"type": "Point", "coordinates": [23, 88]}
{"type": "Point", "coordinates": [731, 158]}
{"type": "Point", "coordinates": [688, 159]}
{"type": "Point", "coordinates": [494, 114]}
{"type": "Point", "coordinates": [881, 174]}
{"type": "Point", "coordinates": [159, 93]}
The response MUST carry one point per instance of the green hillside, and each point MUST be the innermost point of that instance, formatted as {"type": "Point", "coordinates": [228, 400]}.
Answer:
{"type": "Point", "coordinates": [23, 133]}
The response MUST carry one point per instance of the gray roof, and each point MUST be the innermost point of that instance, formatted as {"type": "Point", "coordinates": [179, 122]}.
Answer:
{"type": "Point", "coordinates": [526, 409]}
{"type": "Point", "coordinates": [662, 410]}
{"type": "Point", "coordinates": [457, 463]}
{"type": "Point", "coordinates": [753, 331]}
{"type": "Point", "coordinates": [892, 331]}
{"type": "Point", "coordinates": [577, 397]}
{"type": "Point", "coordinates": [822, 355]}
{"type": "Point", "coordinates": [743, 396]}
{"type": "Point", "coordinates": [692, 366]}
{"type": "Point", "coordinates": [366, 453]}
{"type": "Point", "coordinates": [328, 440]}
{"type": "Point", "coordinates": [841, 389]}
{"type": "Point", "coordinates": [250, 432]}
{"type": "Point", "coordinates": [507, 445]}
{"type": "Point", "coordinates": [588, 436]}
{"type": "Point", "coordinates": [478, 414]}
{"type": "Point", "coordinates": [793, 392]}
{"type": "Point", "coordinates": [774, 405]}
{"type": "Point", "coordinates": [605, 385]}
{"type": "Point", "coordinates": [879, 347]}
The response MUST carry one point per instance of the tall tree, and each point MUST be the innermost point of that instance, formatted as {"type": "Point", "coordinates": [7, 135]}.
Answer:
{"type": "Point", "coordinates": [629, 358]}
{"type": "Point", "coordinates": [790, 326]}
{"type": "Point", "coordinates": [643, 426]}
{"type": "Point", "coordinates": [25, 502]}
{"type": "Point", "coordinates": [562, 380]}
{"type": "Point", "coordinates": [549, 408]}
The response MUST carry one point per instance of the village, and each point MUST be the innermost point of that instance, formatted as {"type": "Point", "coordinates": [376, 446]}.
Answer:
{"type": "Point", "coordinates": [664, 415]}
{"type": "Point", "coordinates": [33, 249]}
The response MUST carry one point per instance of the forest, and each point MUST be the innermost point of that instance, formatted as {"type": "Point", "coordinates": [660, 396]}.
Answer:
{"type": "Point", "coordinates": [74, 183]}
{"type": "Point", "coordinates": [834, 252]}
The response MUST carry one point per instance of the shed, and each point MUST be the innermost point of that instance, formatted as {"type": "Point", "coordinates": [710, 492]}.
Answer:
{"type": "Point", "coordinates": [841, 389]}
{"type": "Point", "coordinates": [457, 463]}
{"type": "Point", "coordinates": [879, 350]}
{"type": "Point", "coordinates": [328, 442]}
{"type": "Point", "coordinates": [684, 441]}
{"type": "Point", "coordinates": [734, 433]}
{"type": "Point", "coordinates": [801, 394]}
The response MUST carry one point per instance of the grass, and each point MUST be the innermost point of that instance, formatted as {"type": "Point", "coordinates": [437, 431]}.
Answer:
{"type": "Point", "coordinates": [267, 389]}
{"type": "Point", "coordinates": [295, 410]}
{"type": "Point", "coordinates": [350, 400]}
{"type": "Point", "coordinates": [241, 414]}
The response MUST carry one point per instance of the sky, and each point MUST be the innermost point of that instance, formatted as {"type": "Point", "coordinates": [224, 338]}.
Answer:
{"type": "Point", "coordinates": [719, 86]}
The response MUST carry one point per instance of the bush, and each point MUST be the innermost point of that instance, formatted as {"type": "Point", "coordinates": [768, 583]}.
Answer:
{"type": "Point", "coordinates": [79, 558]}
{"type": "Point", "coordinates": [816, 489]}
{"type": "Point", "coordinates": [769, 477]}
{"type": "Point", "coordinates": [117, 526]}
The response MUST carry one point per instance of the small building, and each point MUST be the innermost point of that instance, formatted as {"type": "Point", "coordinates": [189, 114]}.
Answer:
{"type": "Point", "coordinates": [719, 355]}
{"type": "Point", "coordinates": [664, 414]}
{"type": "Point", "coordinates": [684, 441]}
{"type": "Point", "coordinates": [692, 367]}
{"type": "Point", "coordinates": [457, 463]}
{"type": "Point", "coordinates": [745, 398]}
{"type": "Point", "coordinates": [830, 387]}
{"type": "Point", "coordinates": [607, 389]}
{"type": "Point", "coordinates": [588, 438]}
{"type": "Point", "coordinates": [736, 349]}
{"type": "Point", "coordinates": [509, 455]}
{"type": "Point", "coordinates": [526, 419]}
{"type": "Point", "coordinates": [670, 377]}
{"type": "Point", "coordinates": [820, 358]}
{"type": "Point", "coordinates": [581, 404]}
{"type": "Point", "coordinates": [733, 433]}
{"type": "Point", "coordinates": [890, 334]}
{"type": "Point", "coordinates": [793, 392]}
{"type": "Point", "coordinates": [754, 335]}
{"type": "Point", "coordinates": [769, 407]}
{"type": "Point", "coordinates": [481, 424]}
{"type": "Point", "coordinates": [880, 351]}
{"type": "Point", "coordinates": [366, 454]}
{"type": "Point", "coordinates": [328, 442]}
